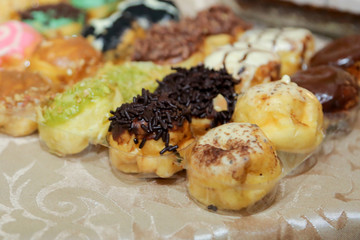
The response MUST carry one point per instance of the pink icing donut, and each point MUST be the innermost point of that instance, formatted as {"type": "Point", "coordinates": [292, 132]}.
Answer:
{"type": "Point", "coordinates": [17, 40]}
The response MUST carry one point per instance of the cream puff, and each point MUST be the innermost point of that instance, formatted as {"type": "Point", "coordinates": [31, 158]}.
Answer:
{"type": "Point", "coordinates": [232, 167]}
{"type": "Point", "coordinates": [295, 46]}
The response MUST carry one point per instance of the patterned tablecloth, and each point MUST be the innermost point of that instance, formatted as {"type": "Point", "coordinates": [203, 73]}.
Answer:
{"type": "Point", "coordinates": [46, 197]}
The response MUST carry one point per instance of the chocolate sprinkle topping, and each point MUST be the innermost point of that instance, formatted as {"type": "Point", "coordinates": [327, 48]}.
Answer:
{"type": "Point", "coordinates": [197, 87]}
{"type": "Point", "coordinates": [149, 116]}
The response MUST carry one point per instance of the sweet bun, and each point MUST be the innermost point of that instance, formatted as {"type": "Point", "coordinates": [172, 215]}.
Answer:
{"type": "Point", "coordinates": [143, 134]}
{"type": "Point", "coordinates": [65, 60]}
{"type": "Point", "coordinates": [290, 116]}
{"type": "Point", "coordinates": [20, 93]}
{"type": "Point", "coordinates": [295, 46]}
{"type": "Point", "coordinates": [209, 94]}
{"type": "Point", "coordinates": [232, 167]}
{"type": "Point", "coordinates": [248, 65]}
{"type": "Point", "coordinates": [18, 42]}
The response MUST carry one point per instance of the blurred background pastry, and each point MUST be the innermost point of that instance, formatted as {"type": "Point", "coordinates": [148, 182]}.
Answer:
{"type": "Point", "coordinates": [209, 94]}
{"type": "Point", "coordinates": [65, 60]}
{"type": "Point", "coordinates": [54, 20]}
{"type": "Point", "coordinates": [290, 116]}
{"type": "Point", "coordinates": [96, 8]}
{"type": "Point", "coordinates": [294, 45]}
{"type": "Point", "coordinates": [20, 93]}
{"type": "Point", "coordinates": [143, 133]}
{"type": "Point", "coordinates": [343, 52]}
{"type": "Point", "coordinates": [187, 42]}
{"type": "Point", "coordinates": [18, 42]}
{"type": "Point", "coordinates": [232, 167]}
{"type": "Point", "coordinates": [9, 8]}
{"type": "Point", "coordinates": [337, 91]}
{"type": "Point", "coordinates": [116, 34]}
{"type": "Point", "coordinates": [248, 65]}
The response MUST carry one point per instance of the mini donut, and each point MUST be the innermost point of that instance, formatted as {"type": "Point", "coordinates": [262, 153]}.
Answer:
{"type": "Point", "coordinates": [343, 52]}
{"type": "Point", "coordinates": [142, 132]}
{"type": "Point", "coordinates": [96, 8]}
{"type": "Point", "coordinates": [20, 93]}
{"type": "Point", "coordinates": [54, 20]}
{"type": "Point", "coordinates": [248, 65]}
{"type": "Point", "coordinates": [18, 42]}
{"type": "Point", "coordinates": [232, 167]}
{"type": "Point", "coordinates": [65, 60]}
{"type": "Point", "coordinates": [337, 91]}
{"type": "Point", "coordinates": [290, 116]}
{"type": "Point", "coordinates": [295, 46]}
{"type": "Point", "coordinates": [209, 94]}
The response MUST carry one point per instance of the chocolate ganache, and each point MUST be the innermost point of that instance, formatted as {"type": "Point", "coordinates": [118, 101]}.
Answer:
{"type": "Point", "coordinates": [336, 89]}
{"type": "Point", "coordinates": [343, 52]}
{"type": "Point", "coordinates": [197, 87]}
{"type": "Point", "coordinates": [149, 116]}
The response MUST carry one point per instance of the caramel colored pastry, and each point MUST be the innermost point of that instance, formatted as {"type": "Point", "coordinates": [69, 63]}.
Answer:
{"type": "Point", "coordinates": [294, 45]}
{"type": "Point", "coordinates": [248, 65]}
{"type": "Point", "coordinates": [145, 135]}
{"type": "Point", "coordinates": [54, 20]}
{"type": "Point", "coordinates": [65, 60]}
{"type": "Point", "coordinates": [232, 167]}
{"type": "Point", "coordinates": [337, 91]}
{"type": "Point", "coordinates": [20, 94]}
{"type": "Point", "coordinates": [343, 52]}
{"type": "Point", "coordinates": [208, 93]}
{"type": "Point", "coordinates": [187, 42]}
{"type": "Point", "coordinates": [290, 116]}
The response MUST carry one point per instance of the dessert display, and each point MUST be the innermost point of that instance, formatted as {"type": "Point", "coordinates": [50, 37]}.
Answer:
{"type": "Point", "coordinates": [54, 20]}
{"type": "Point", "coordinates": [20, 93]}
{"type": "Point", "coordinates": [164, 94]}
{"type": "Point", "coordinates": [290, 116]}
{"type": "Point", "coordinates": [78, 116]}
{"type": "Point", "coordinates": [248, 65]}
{"type": "Point", "coordinates": [144, 132]}
{"type": "Point", "coordinates": [65, 60]}
{"type": "Point", "coordinates": [232, 166]}
{"type": "Point", "coordinates": [187, 42]}
{"type": "Point", "coordinates": [343, 52]}
{"type": "Point", "coordinates": [337, 91]}
{"type": "Point", "coordinates": [96, 8]}
{"type": "Point", "coordinates": [18, 42]}
{"type": "Point", "coordinates": [209, 94]}
{"type": "Point", "coordinates": [116, 34]}
{"type": "Point", "coordinates": [294, 45]}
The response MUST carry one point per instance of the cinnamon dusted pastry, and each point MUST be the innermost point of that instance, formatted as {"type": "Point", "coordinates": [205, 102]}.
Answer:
{"type": "Point", "coordinates": [187, 42]}
{"type": "Point", "coordinates": [294, 45]}
{"type": "Point", "coordinates": [232, 166]}
{"type": "Point", "coordinates": [248, 65]}
{"type": "Point", "coordinates": [144, 135]}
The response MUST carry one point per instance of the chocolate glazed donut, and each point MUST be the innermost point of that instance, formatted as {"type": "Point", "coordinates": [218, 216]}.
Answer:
{"type": "Point", "coordinates": [336, 89]}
